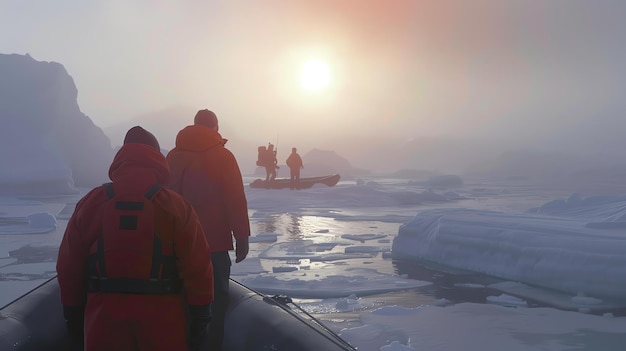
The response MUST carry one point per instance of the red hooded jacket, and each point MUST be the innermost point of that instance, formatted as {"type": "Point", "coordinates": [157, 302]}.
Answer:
{"type": "Point", "coordinates": [135, 169]}
{"type": "Point", "coordinates": [205, 173]}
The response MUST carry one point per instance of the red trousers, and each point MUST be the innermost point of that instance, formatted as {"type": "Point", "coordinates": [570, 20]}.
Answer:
{"type": "Point", "coordinates": [130, 322]}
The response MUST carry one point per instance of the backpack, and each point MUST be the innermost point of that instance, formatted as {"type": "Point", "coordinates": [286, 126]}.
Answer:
{"type": "Point", "coordinates": [262, 157]}
{"type": "Point", "coordinates": [128, 256]}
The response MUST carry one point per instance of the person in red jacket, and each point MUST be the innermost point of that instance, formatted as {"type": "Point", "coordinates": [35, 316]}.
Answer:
{"type": "Point", "coordinates": [134, 260]}
{"type": "Point", "coordinates": [208, 176]}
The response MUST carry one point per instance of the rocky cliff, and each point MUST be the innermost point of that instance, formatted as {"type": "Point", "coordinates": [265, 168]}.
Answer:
{"type": "Point", "coordinates": [45, 138]}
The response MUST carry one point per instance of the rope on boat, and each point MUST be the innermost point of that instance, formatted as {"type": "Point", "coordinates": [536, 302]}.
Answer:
{"type": "Point", "coordinates": [285, 301]}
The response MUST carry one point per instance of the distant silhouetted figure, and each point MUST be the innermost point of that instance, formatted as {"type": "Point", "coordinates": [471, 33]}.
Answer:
{"type": "Point", "coordinates": [270, 163]}
{"type": "Point", "coordinates": [294, 162]}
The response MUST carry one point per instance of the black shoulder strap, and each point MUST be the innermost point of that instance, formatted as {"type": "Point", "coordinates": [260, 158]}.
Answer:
{"type": "Point", "coordinates": [153, 191]}
{"type": "Point", "coordinates": [108, 189]}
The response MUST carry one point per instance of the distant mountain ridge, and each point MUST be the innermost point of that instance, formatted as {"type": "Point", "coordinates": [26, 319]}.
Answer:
{"type": "Point", "coordinates": [359, 156]}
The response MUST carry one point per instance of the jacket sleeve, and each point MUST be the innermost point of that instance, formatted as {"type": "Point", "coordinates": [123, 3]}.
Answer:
{"type": "Point", "coordinates": [73, 257]}
{"type": "Point", "coordinates": [193, 254]}
{"type": "Point", "coordinates": [235, 198]}
{"type": "Point", "coordinates": [176, 171]}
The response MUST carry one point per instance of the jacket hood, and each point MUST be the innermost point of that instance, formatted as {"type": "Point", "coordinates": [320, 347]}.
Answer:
{"type": "Point", "coordinates": [198, 138]}
{"type": "Point", "coordinates": [140, 166]}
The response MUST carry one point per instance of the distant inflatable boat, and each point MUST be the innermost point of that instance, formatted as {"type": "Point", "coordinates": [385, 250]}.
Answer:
{"type": "Point", "coordinates": [254, 321]}
{"type": "Point", "coordinates": [304, 183]}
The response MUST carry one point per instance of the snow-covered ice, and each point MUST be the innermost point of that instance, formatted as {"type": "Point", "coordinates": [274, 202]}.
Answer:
{"type": "Point", "coordinates": [554, 264]}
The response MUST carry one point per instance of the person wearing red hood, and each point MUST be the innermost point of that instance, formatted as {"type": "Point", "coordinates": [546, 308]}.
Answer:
{"type": "Point", "coordinates": [134, 260]}
{"type": "Point", "coordinates": [208, 176]}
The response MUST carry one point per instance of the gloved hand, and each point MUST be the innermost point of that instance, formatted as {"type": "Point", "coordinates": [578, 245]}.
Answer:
{"type": "Point", "coordinates": [200, 317]}
{"type": "Point", "coordinates": [74, 323]}
{"type": "Point", "coordinates": [241, 250]}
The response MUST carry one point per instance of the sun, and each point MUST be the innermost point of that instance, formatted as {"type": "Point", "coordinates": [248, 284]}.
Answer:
{"type": "Point", "coordinates": [315, 75]}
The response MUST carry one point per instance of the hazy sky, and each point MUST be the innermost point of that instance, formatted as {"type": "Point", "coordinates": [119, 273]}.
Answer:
{"type": "Point", "coordinates": [542, 72]}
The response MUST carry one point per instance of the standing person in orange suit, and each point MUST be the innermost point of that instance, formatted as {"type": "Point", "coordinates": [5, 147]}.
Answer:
{"type": "Point", "coordinates": [134, 260]}
{"type": "Point", "coordinates": [206, 173]}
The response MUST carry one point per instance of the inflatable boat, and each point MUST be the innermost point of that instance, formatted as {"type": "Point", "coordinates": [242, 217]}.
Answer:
{"type": "Point", "coordinates": [34, 322]}
{"type": "Point", "coordinates": [303, 183]}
